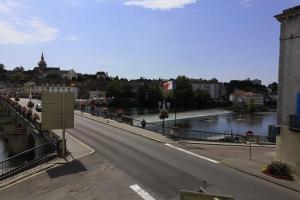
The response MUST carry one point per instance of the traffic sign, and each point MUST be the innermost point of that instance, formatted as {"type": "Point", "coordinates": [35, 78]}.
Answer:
{"type": "Point", "coordinates": [249, 134]}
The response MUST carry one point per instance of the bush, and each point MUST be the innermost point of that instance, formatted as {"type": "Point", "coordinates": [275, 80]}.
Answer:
{"type": "Point", "coordinates": [35, 117]}
{"type": "Point", "coordinates": [163, 114]}
{"type": "Point", "coordinates": [30, 104]}
{"type": "Point", "coordinates": [279, 170]}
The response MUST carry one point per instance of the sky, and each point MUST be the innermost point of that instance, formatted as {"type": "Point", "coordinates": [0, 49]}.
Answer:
{"type": "Point", "coordinates": [223, 39]}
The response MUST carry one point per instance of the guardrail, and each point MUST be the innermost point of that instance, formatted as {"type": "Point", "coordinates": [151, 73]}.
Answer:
{"type": "Point", "coordinates": [23, 162]}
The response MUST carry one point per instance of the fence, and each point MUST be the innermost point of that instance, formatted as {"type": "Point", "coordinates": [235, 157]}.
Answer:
{"type": "Point", "coordinates": [23, 162]}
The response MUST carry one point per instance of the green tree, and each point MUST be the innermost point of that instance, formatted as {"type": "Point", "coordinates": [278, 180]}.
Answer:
{"type": "Point", "coordinates": [18, 77]}
{"type": "Point", "coordinates": [18, 69]}
{"type": "Point", "coordinates": [154, 95]}
{"type": "Point", "coordinates": [114, 89]}
{"type": "Point", "coordinates": [274, 87]}
{"type": "Point", "coordinates": [202, 99]}
{"type": "Point", "coordinates": [250, 106]}
{"type": "Point", "coordinates": [53, 76]}
{"type": "Point", "coordinates": [2, 68]}
{"type": "Point", "coordinates": [184, 92]}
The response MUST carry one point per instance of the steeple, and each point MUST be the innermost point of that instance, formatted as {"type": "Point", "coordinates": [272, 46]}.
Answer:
{"type": "Point", "coordinates": [42, 57]}
{"type": "Point", "coordinates": [42, 64]}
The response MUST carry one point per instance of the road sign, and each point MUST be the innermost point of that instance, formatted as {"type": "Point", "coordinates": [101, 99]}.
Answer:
{"type": "Point", "coordinates": [57, 111]}
{"type": "Point", "coordinates": [185, 195]}
{"type": "Point", "coordinates": [249, 134]}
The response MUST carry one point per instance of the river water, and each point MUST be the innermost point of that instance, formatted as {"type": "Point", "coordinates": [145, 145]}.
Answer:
{"type": "Point", "coordinates": [215, 120]}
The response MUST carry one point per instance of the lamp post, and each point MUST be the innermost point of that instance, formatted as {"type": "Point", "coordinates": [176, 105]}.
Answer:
{"type": "Point", "coordinates": [163, 107]}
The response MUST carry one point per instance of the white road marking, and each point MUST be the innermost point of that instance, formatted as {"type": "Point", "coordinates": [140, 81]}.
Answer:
{"type": "Point", "coordinates": [141, 192]}
{"type": "Point", "coordinates": [193, 154]}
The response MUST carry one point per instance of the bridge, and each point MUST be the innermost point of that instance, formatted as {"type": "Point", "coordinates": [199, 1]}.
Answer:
{"type": "Point", "coordinates": [30, 145]}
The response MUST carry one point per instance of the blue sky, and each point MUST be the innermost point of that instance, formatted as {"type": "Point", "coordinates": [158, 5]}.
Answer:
{"type": "Point", "coordinates": [225, 39]}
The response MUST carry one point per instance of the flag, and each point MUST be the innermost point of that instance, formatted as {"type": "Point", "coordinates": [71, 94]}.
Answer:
{"type": "Point", "coordinates": [170, 85]}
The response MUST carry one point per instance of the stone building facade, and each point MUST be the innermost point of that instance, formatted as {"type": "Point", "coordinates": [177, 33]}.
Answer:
{"type": "Point", "coordinates": [288, 141]}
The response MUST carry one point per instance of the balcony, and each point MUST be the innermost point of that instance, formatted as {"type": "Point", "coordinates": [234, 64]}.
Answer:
{"type": "Point", "coordinates": [294, 122]}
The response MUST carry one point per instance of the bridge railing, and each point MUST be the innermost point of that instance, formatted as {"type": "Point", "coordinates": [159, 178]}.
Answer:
{"type": "Point", "coordinates": [23, 162]}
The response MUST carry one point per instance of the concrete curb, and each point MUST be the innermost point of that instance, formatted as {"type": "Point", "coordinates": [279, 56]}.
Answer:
{"type": "Point", "coordinates": [156, 140]}
{"type": "Point", "coordinates": [224, 144]}
{"type": "Point", "coordinates": [260, 177]}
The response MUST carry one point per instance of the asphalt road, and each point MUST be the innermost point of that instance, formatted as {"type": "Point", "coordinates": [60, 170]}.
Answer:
{"type": "Point", "coordinates": [163, 171]}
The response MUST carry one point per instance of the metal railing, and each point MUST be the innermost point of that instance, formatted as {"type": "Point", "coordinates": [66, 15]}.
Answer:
{"type": "Point", "coordinates": [23, 162]}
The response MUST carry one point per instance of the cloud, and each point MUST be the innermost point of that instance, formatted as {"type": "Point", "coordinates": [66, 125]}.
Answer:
{"type": "Point", "coordinates": [19, 28]}
{"type": "Point", "coordinates": [246, 3]}
{"type": "Point", "coordinates": [159, 4]}
{"type": "Point", "coordinates": [71, 38]}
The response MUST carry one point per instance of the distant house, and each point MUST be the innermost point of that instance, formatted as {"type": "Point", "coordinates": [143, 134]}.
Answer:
{"type": "Point", "coordinates": [213, 89]}
{"type": "Point", "coordinates": [56, 88]}
{"type": "Point", "coordinates": [241, 97]}
{"type": "Point", "coordinates": [256, 82]}
{"type": "Point", "coordinates": [69, 74]}
{"type": "Point", "coordinates": [96, 94]}
{"type": "Point", "coordinates": [101, 75]}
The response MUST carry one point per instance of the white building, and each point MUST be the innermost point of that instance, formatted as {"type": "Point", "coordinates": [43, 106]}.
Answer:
{"type": "Point", "coordinates": [242, 97]}
{"type": "Point", "coordinates": [55, 88]}
{"type": "Point", "coordinates": [212, 88]}
{"type": "Point", "coordinates": [69, 74]}
{"type": "Point", "coordinates": [96, 94]}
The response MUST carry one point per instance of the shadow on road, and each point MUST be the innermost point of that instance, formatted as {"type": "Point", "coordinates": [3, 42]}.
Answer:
{"type": "Point", "coordinates": [69, 168]}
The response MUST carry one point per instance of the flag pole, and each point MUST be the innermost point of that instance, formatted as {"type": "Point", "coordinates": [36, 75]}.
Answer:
{"type": "Point", "coordinates": [175, 106]}
{"type": "Point", "coordinates": [175, 90]}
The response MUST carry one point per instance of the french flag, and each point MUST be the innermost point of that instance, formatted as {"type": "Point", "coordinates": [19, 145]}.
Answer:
{"type": "Point", "coordinates": [170, 85]}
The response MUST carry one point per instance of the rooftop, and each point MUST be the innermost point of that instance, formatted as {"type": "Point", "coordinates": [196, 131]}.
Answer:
{"type": "Point", "coordinates": [291, 12]}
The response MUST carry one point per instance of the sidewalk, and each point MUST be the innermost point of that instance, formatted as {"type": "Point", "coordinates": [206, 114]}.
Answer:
{"type": "Point", "coordinates": [238, 157]}
{"type": "Point", "coordinates": [132, 129]}
{"type": "Point", "coordinates": [76, 150]}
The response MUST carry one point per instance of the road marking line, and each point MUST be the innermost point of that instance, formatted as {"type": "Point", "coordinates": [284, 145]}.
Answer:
{"type": "Point", "coordinates": [193, 154]}
{"type": "Point", "coordinates": [141, 192]}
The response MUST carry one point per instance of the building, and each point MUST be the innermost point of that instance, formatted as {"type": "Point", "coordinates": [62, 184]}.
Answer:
{"type": "Point", "coordinates": [288, 105]}
{"type": "Point", "coordinates": [240, 97]}
{"type": "Point", "coordinates": [69, 74]}
{"type": "Point", "coordinates": [256, 82]}
{"type": "Point", "coordinates": [96, 94]}
{"type": "Point", "coordinates": [44, 70]}
{"type": "Point", "coordinates": [29, 88]}
{"type": "Point", "coordinates": [102, 75]}
{"type": "Point", "coordinates": [213, 89]}
{"type": "Point", "coordinates": [38, 89]}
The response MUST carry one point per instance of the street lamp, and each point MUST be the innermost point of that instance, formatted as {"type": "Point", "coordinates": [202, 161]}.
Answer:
{"type": "Point", "coordinates": [163, 107]}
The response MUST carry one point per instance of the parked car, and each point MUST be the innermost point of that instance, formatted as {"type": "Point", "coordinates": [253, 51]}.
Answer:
{"type": "Point", "coordinates": [38, 107]}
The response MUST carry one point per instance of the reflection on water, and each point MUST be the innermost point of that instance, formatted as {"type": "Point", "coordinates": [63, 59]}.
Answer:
{"type": "Point", "coordinates": [235, 123]}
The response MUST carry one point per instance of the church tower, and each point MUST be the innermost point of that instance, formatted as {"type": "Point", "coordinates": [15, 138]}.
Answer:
{"type": "Point", "coordinates": [42, 64]}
